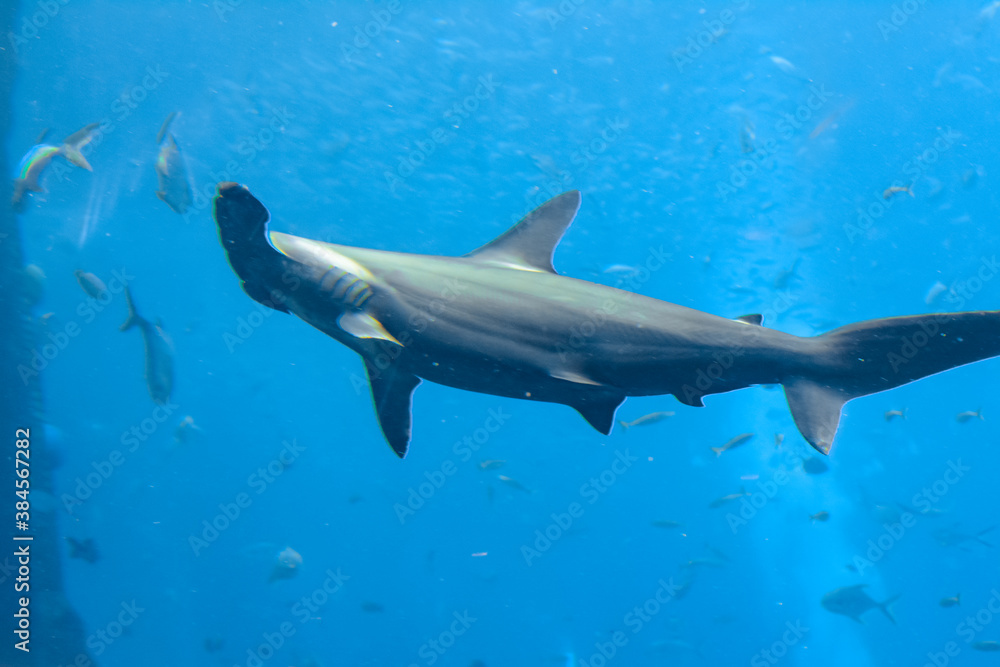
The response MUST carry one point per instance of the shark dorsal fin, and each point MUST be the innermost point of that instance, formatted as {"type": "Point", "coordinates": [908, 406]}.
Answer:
{"type": "Point", "coordinates": [753, 318]}
{"type": "Point", "coordinates": [529, 244]}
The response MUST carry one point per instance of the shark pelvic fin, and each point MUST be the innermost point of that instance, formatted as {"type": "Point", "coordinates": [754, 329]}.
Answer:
{"type": "Point", "coordinates": [362, 325]}
{"type": "Point", "coordinates": [530, 243]}
{"type": "Point", "coordinates": [599, 411]}
{"type": "Point", "coordinates": [392, 393]}
{"type": "Point", "coordinates": [816, 410]}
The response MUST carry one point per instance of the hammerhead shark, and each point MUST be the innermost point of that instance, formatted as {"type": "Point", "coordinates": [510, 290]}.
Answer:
{"type": "Point", "coordinates": [500, 320]}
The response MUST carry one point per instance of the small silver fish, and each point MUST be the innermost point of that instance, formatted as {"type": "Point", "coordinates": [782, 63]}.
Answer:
{"type": "Point", "coordinates": [651, 418]}
{"type": "Point", "coordinates": [159, 359]}
{"type": "Point", "coordinates": [814, 465]}
{"type": "Point", "coordinates": [41, 155]}
{"type": "Point", "coordinates": [896, 189]}
{"type": "Point", "coordinates": [175, 191]}
{"type": "Point", "coordinates": [747, 136]}
{"type": "Point", "coordinates": [852, 601]}
{"type": "Point", "coordinates": [892, 414]}
{"type": "Point", "coordinates": [785, 276]}
{"type": "Point", "coordinates": [733, 443]}
{"type": "Point", "coordinates": [936, 290]}
{"type": "Point", "coordinates": [185, 430]}
{"type": "Point", "coordinates": [988, 645]}
{"type": "Point", "coordinates": [91, 284]}
{"type": "Point", "coordinates": [783, 64]}
{"type": "Point", "coordinates": [963, 417]}
{"type": "Point", "coordinates": [287, 565]}
{"type": "Point", "coordinates": [513, 483]}
{"type": "Point", "coordinates": [719, 502]}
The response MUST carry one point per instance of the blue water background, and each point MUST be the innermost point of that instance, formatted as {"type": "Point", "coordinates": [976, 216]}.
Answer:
{"type": "Point", "coordinates": [330, 118]}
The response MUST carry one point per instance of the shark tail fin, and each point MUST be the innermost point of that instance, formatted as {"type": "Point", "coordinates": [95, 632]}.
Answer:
{"type": "Point", "coordinates": [75, 142]}
{"type": "Point", "coordinates": [876, 355]}
{"type": "Point", "coordinates": [133, 317]}
{"type": "Point", "coordinates": [74, 155]}
{"type": "Point", "coordinates": [166, 126]}
{"type": "Point", "coordinates": [242, 222]}
{"type": "Point", "coordinates": [886, 608]}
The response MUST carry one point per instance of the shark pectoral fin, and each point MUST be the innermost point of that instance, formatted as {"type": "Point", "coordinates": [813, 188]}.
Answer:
{"type": "Point", "coordinates": [816, 410]}
{"type": "Point", "coordinates": [572, 376]}
{"type": "Point", "coordinates": [599, 411]}
{"type": "Point", "coordinates": [362, 325]}
{"type": "Point", "coordinates": [753, 318]}
{"type": "Point", "coordinates": [392, 393]}
{"type": "Point", "coordinates": [529, 244]}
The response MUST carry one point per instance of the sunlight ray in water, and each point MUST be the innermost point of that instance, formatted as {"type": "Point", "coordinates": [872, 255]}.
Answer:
{"type": "Point", "coordinates": [100, 203]}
